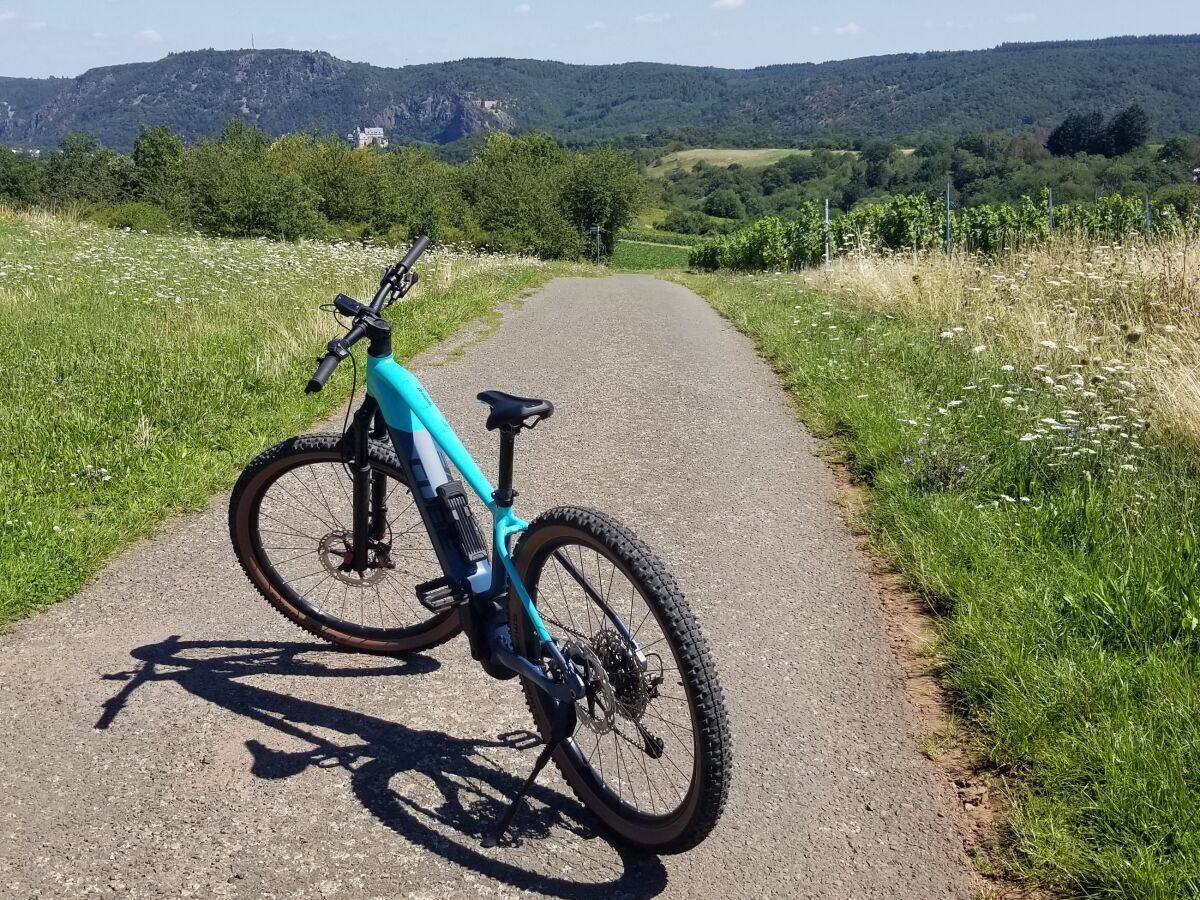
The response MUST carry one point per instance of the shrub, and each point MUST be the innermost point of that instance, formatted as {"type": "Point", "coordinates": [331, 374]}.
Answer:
{"type": "Point", "coordinates": [135, 216]}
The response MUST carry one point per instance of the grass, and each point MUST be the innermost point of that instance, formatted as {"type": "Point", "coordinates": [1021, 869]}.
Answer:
{"type": "Point", "coordinates": [650, 217]}
{"type": "Point", "coordinates": [1028, 431]}
{"type": "Point", "coordinates": [751, 159]}
{"type": "Point", "coordinates": [141, 372]}
{"type": "Point", "coordinates": [645, 256]}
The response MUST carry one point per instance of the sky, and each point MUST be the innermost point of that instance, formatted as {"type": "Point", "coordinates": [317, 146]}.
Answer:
{"type": "Point", "coordinates": [44, 37]}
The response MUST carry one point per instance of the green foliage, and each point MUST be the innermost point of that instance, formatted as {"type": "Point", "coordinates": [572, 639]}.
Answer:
{"type": "Point", "coordinates": [917, 223]}
{"type": "Point", "coordinates": [515, 187]}
{"type": "Point", "coordinates": [243, 187]}
{"type": "Point", "coordinates": [1089, 133]}
{"type": "Point", "coordinates": [524, 194]}
{"type": "Point", "coordinates": [655, 236]}
{"type": "Point", "coordinates": [136, 216]}
{"type": "Point", "coordinates": [84, 172]}
{"type": "Point", "coordinates": [639, 256]}
{"type": "Point", "coordinates": [983, 169]}
{"type": "Point", "coordinates": [160, 171]}
{"type": "Point", "coordinates": [604, 190]}
{"type": "Point", "coordinates": [724, 204]}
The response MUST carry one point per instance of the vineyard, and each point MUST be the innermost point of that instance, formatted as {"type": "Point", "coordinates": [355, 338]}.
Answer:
{"type": "Point", "coordinates": [916, 222]}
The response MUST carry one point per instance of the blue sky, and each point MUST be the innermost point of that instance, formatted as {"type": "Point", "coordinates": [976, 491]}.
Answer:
{"type": "Point", "coordinates": [69, 36]}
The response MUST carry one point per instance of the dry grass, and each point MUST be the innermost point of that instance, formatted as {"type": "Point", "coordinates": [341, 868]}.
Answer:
{"type": "Point", "coordinates": [1135, 304]}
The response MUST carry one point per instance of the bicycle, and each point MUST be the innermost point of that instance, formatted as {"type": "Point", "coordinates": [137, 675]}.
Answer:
{"type": "Point", "coordinates": [341, 533]}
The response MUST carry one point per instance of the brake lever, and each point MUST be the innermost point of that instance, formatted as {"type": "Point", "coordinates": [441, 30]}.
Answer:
{"type": "Point", "coordinates": [407, 282]}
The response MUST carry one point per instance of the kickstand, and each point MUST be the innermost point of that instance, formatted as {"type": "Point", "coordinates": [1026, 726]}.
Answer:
{"type": "Point", "coordinates": [562, 726]}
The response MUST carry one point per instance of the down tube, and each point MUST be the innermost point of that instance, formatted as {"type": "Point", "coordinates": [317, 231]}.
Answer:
{"type": "Point", "coordinates": [400, 393]}
{"type": "Point", "coordinates": [402, 396]}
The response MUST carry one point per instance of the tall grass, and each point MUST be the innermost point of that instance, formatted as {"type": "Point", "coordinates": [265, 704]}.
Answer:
{"type": "Point", "coordinates": [140, 372]}
{"type": "Point", "coordinates": [1029, 431]}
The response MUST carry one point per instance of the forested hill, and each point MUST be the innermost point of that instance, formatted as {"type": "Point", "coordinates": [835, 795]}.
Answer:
{"type": "Point", "coordinates": [1014, 86]}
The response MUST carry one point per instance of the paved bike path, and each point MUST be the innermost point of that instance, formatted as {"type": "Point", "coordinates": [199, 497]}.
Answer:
{"type": "Point", "coordinates": [166, 734]}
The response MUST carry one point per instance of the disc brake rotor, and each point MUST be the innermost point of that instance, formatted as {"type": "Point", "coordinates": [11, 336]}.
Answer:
{"type": "Point", "coordinates": [598, 709]}
{"type": "Point", "coordinates": [629, 683]}
{"type": "Point", "coordinates": [334, 551]}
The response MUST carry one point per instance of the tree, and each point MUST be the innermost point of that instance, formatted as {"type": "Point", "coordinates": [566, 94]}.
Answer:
{"type": "Point", "coordinates": [514, 185]}
{"type": "Point", "coordinates": [1078, 133]}
{"type": "Point", "coordinates": [159, 171]}
{"type": "Point", "coordinates": [20, 178]}
{"type": "Point", "coordinates": [603, 189]}
{"type": "Point", "coordinates": [875, 156]}
{"type": "Point", "coordinates": [243, 189]}
{"type": "Point", "coordinates": [1127, 131]}
{"type": "Point", "coordinates": [724, 204]}
{"type": "Point", "coordinates": [84, 172]}
{"type": "Point", "coordinates": [1180, 149]}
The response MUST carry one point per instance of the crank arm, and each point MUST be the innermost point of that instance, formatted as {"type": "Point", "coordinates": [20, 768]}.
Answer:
{"type": "Point", "coordinates": [566, 691]}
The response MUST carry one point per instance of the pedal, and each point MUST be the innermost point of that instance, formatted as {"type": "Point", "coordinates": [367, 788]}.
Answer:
{"type": "Point", "coordinates": [439, 595]}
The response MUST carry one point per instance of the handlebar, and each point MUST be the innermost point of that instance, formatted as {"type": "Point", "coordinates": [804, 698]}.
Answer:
{"type": "Point", "coordinates": [414, 253]}
{"type": "Point", "coordinates": [325, 368]}
{"type": "Point", "coordinates": [397, 281]}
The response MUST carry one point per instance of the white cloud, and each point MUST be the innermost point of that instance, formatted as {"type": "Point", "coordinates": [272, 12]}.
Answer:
{"type": "Point", "coordinates": [652, 18]}
{"type": "Point", "coordinates": [7, 15]}
{"type": "Point", "coordinates": [596, 26]}
{"type": "Point", "coordinates": [39, 25]}
{"type": "Point", "coordinates": [728, 4]}
{"type": "Point", "coordinates": [149, 35]}
{"type": "Point", "coordinates": [1021, 18]}
{"type": "Point", "coordinates": [849, 28]}
{"type": "Point", "coordinates": [522, 8]}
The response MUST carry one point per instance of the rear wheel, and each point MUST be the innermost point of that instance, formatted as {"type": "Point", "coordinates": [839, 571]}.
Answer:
{"type": "Point", "coordinates": [290, 520]}
{"type": "Point", "coordinates": [651, 754]}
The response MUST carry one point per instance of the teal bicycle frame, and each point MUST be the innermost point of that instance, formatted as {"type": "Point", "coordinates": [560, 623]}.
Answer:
{"type": "Point", "coordinates": [424, 440]}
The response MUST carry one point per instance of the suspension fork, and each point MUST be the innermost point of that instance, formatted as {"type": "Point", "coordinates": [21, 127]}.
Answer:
{"type": "Point", "coordinates": [379, 432]}
{"type": "Point", "coordinates": [362, 491]}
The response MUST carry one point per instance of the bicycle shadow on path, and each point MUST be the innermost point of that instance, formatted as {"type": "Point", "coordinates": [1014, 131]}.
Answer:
{"type": "Point", "coordinates": [473, 790]}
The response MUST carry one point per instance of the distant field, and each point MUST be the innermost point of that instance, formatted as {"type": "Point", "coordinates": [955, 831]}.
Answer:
{"type": "Point", "coordinates": [751, 159]}
{"type": "Point", "coordinates": [640, 256]}
{"type": "Point", "coordinates": [758, 158]}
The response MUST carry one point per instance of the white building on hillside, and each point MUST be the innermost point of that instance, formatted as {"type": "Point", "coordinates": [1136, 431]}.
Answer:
{"type": "Point", "coordinates": [368, 137]}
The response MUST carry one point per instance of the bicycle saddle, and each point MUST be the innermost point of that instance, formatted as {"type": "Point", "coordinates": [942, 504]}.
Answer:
{"type": "Point", "coordinates": [511, 411]}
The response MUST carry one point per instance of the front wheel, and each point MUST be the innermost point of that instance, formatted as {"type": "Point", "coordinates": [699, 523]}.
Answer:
{"type": "Point", "coordinates": [290, 520]}
{"type": "Point", "coordinates": [651, 754]}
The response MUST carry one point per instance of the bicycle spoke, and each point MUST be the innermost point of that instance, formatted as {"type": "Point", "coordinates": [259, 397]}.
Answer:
{"type": "Point", "coordinates": [653, 784]}
{"type": "Point", "coordinates": [302, 535]}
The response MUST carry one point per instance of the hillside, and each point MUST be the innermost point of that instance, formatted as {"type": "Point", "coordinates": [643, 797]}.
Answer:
{"type": "Point", "coordinates": [1009, 87]}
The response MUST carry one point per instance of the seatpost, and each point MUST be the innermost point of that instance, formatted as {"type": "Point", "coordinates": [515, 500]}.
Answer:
{"type": "Point", "coordinates": [504, 493]}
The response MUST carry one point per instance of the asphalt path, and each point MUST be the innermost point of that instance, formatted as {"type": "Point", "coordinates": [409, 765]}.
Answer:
{"type": "Point", "coordinates": [164, 733]}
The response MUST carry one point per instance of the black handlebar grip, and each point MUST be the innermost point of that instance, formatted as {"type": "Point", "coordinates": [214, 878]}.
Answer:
{"type": "Point", "coordinates": [414, 252]}
{"type": "Point", "coordinates": [328, 363]}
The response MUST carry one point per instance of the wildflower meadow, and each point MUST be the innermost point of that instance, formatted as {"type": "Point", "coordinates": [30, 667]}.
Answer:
{"type": "Point", "coordinates": [142, 371]}
{"type": "Point", "coordinates": [1029, 426]}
